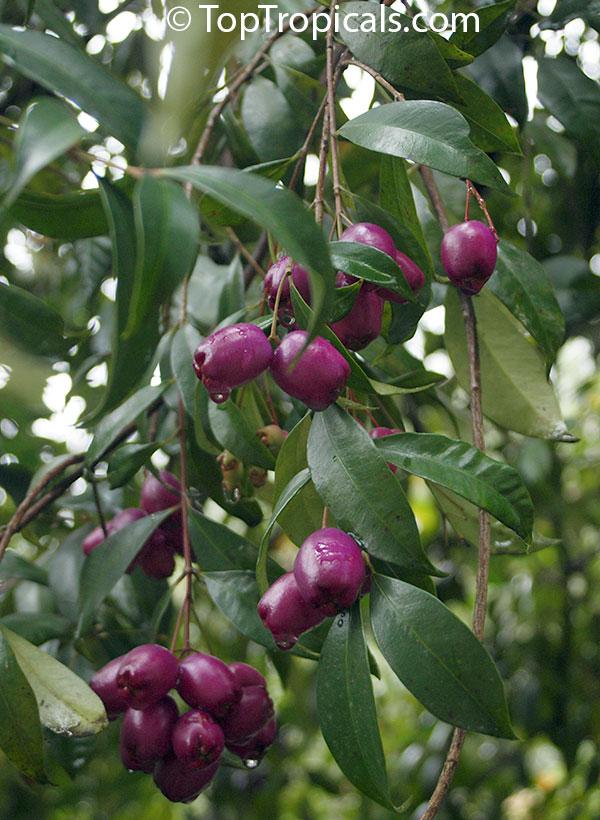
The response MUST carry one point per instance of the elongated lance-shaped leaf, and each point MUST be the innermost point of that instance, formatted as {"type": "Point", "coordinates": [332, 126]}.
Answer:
{"type": "Point", "coordinates": [290, 491]}
{"type": "Point", "coordinates": [490, 24]}
{"type": "Point", "coordinates": [438, 658]}
{"type": "Point", "coordinates": [430, 133]}
{"type": "Point", "coordinates": [66, 703]}
{"type": "Point", "coordinates": [346, 707]}
{"type": "Point", "coordinates": [372, 265]}
{"type": "Point", "coordinates": [63, 216]}
{"type": "Point", "coordinates": [218, 548]}
{"type": "Point", "coordinates": [491, 485]}
{"type": "Point", "coordinates": [30, 323]}
{"type": "Point", "coordinates": [281, 213]}
{"type": "Point", "coordinates": [20, 729]}
{"type": "Point", "coordinates": [107, 562]}
{"type": "Point", "coordinates": [235, 434]}
{"type": "Point", "coordinates": [354, 480]}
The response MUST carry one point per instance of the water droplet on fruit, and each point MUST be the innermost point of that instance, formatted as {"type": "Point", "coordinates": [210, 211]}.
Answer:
{"type": "Point", "coordinates": [285, 644]}
{"type": "Point", "coordinates": [219, 396]}
{"type": "Point", "coordinates": [251, 764]}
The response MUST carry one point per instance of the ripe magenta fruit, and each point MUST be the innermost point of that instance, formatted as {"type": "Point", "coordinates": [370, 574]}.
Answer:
{"type": "Point", "coordinates": [205, 682]}
{"type": "Point", "coordinates": [284, 611]}
{"type": "Point", "coordinates": [197, 739]}
{"type": "Point", "coordinates": [319, 375]}
{"type": "Point", "coordinates": [92, 539]}
{"type": "Point", "coordinates": [362, 324]}
{"type": "Point", "coordinates": [253, 750]}
{"type": "Point", "coordinates": [469, 254]}
{"type": "Point", "coordinates": [181, 783]}
{"type": "Point", "coordinates": [413, 275]}
{"type": "Point", "coordinates": [275, 274]}
{"type": "Point", "coordinates": [156, 556]}
{"type": "Point", "coordinates": [155, 497]}
{"type": "Point", "coordinates": [366, 233]}
{"type": "Point", "coordinates": [146, 674]}
{"type": "Point", "coordinates": [104, 684]}
{"type": "Point", "coordinates": [329, 567]}
{"type": "Point", "coordinates": [231, 357]}
{"type": "Point", "coordinates": [248, 716]}
{"type": "Point", "coordinates": [146, 735]}
{"type": "Point", "coordinates": [247, 675]}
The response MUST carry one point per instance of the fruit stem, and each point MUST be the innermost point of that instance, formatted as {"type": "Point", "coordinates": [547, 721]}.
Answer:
{"type": "Point", "coordinates": [92, 479]}
{"type": "Point", "coordinates": [270, 405]}
{"type": "Point", "coordinates": [273, 334]}
{"type": "Point", "coordinates": [471, 189]}
{"type": "Point", "coordinates": [187, 551]}
{"type": "Point", "coordinates": [325, 515]}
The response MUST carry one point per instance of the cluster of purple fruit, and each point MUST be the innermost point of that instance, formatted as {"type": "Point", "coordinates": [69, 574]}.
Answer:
{"type": "Point", "coordinates": [156, 557]}
{"type": "Point", "coordinates": [328, 575]}
{"type": "Point", "coordinates": [230, 708]}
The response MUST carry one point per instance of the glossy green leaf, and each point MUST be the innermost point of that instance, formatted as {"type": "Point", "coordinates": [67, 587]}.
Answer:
{"type": "Point", "coordinates": [515, 392]}
{"type": "Point", "coordinates": [277, 210]}
{"type": "Point", "coordinates": [405, 57]}
{"type": "Point", "coordinates": [218, 548]}
{"type": "Point", "coordinates": [438, 658]}
{"type": "Point", "coordinates": [396, 198]}
{"type": "Point", "coordinates": [491, 25]}
{"type": "Point", "coordinates": [185, 341]}
{"type": "Point", "coordinates": [428, 132]}
{"type": "Point", "coordinates": [289, 492]}
{"type": "Point", "coordinates": [304, 513]}
{"type": "Point", "coordinates": [124, 463]}
{"type": "Point", "coordinates": [237, 595]}
{"type": "Point", "coordinates": [66, 703]}
{"type": "Point", "coordinates": [20, 730]}
{"type": "Point", "coordinates": [107, 562]}
{"type": "Point", "coordinates": [303, 93]}
{"type": "Point", "coordinates": [47, 130]}
{"type": "Point", "coordinates": [31, 324]}
{"type": "Point", "coordinates": [235, 434]}
{"type": "Point", "coordinates": [343, 301]}
{"type": "Point", "coordinates": [524, 287]}
{"type": "Point", "coordinates": [490, 129]}
{"type": "Point", "coordinates": [355, 482]}
{"type": "Point", "coordinates": [15, 479]}
{"type": "Point", "coordinates": [346, 707]}
{"type": "Point", "coordinates": [167, 231]}
{"type": "Point", "coordinates": [269, 121]}
{"type": "Point", "coordinates": [38, 627]}
{"type": "Point", "coordinates": [499, 72]}
{"type": "Point", "coordinates": [489, 484]}
{"type": "Point", "coordinates": [14, 566]}
{"type": "Point", "coordinates": [65, 216]}
{"type": "Point", "coordinates": [63, 69]}
{"type": "Point", "coordinates": [372, 265]}
{"type": "Point", "coordinates": [573, 99]}
{"type": "Point", "coordinates": [112, 425]}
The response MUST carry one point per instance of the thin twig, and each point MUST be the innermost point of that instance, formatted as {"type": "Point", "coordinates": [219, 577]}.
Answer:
{"type": "Point", "coordinates": [187, 550]}
{"type": "Point", "coordinates": [245, 252]}
{"type": "Point", "coordinates": [335, 171]}
{"type": "Point", "coordinates": [262, 246]}
{"type": "Point", "coordinates": [306, 145]}
{"type": "Point", "coordinates": [99, 510]}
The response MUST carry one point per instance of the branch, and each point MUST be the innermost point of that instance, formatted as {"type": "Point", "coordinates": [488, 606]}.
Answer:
{"type": "Point", "coordinates": [335, 171]}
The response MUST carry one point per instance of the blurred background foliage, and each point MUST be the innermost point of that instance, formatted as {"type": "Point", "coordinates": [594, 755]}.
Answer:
{"type": "Point", "coordinates": [544, 608]}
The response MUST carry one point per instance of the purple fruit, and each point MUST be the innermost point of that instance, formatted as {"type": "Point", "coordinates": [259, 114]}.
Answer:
{"type": "Point", "coordinates": [197, 739]}
{"type": "Point", "coordinates": [254, 749]}
{"type": "Point", "coordinates": [284, 611]}
{"type": "Point", "coordinates": [181, 783]}
{"type": "Point", "coordinates": [146, 735]}
{"type": "Point", "coordinates": [92, 539]}
{"type": "Point", "coordinates": [207, 683]}
{"type": "Point", "coordinates": [366, 233]}
{"type": "Point", "coordinates": [247, 675]}
{"type": "Point", "coordinates": [231, 357]}
{"type": "Point", "coordinates": [155, 496]}
{"type": "Point", "coordinates": [469, 254]}
{"type": "Point", "coordinates": [124, 519]}
{"type": "Point", "coordinates": [248, 717]}
{"type": "Point", "coordinates": [319, 375]}
{"type": "Point", "coordinates": [329, 567]}
{"type": "Point", "coordinates": [413, 275]}
{"type": "Point", "coordinates": [378, 432]}
{"type": "Point", "coordinates": [146, 674]}
{"type": "Point", "coordinates": [104, 684]}
{"type": "Point", "coordinates": [275, 274]}
{"type": "Point", "coordinates": [363, 323]}
{"type": "Point", "coordinates": [156, 556]}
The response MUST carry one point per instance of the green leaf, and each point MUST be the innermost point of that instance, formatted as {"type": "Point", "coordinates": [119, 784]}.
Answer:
{"type": "Point", "coordinates": [499, 72]}
{"type": "Point", "coordinates": [13, 566]}
{"type": "Point", "coordinates": [281, 213]}
{"type": "Point", "coordinates": [524, 287]}
{"type": "Point", "coordinates": [131, 355]}
{"type": "Point", "coordinates": [185, 341]}
{"type": "Point", "coordinates": [46, 131]}
{"type": "Point", "coordinates": [489, 484]}
{"type": "Point", "coordinates": [124, 463]}
{"type": "Point", "coordinates": [490, 129]}
{"type": "Point", "coordinates": [38, 627]}
{"type": "Point", "coordinates": [396, 198]}
{"type": "Point", "coordinates": [65, 216]}
{"type": "Point", "coordinates": [372, 265]}
{"type": "Point", "coordinates": [20, 730]}
{"type": "Point", "coordinates": [438, 658]}
{"type": "Point", "coordinates": [112, 425]}
{"type": "Point", "coordinates": [66, 703]}
{"type": "Point", "coordinates": [573, 99]}
{"type": "Point", "coordinates": [515, 393]}
{"type": "Point", "coordinates": [30, 324]}
{"type": "Point", "coordinates": [491, 25]}
{"type": "Point", "coordinates": [168, 231]}
{"type": "Point", "coordinates": [354, 480]}
{"type": "Point", "coordinates": [63, 69]}
{"type": "Point", "coordinates": [269, 121]}
{"type": "Point", "coordinates": [343, 301]}
{"type": "Point", "coordinates": [15, 479]}
{"type": "Point", "coordinates": [290, 491]}
{"type": "Point", "coordinates": [303, 93]}
{"type": "Point", "coordinates": [218, 548]}
{"type": "Point", "coordinates": [428, 132]}
{"type": "Point", "coordinates": [107, 562]}
{"type": "Point", "coordinates": [235, 434]}
{"type": "Point", "coordinates": [346, 707]}
{"type": "Point", "coordinates": [304, 513]}
{"type": "Point", "coordinates": [405, 57]}
{"type": "Point", "coordinates": [236, 594]}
